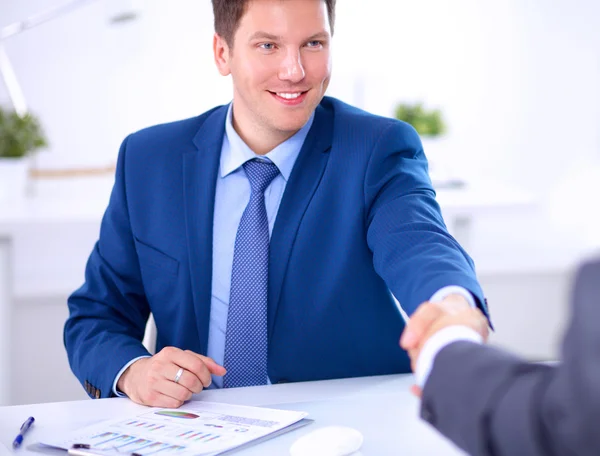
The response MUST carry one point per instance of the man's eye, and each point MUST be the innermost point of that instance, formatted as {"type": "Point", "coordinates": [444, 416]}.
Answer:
{"type": "Point", "coordinates": [267, 46]}
{"type": "Point", "coordinates": [314, 44]}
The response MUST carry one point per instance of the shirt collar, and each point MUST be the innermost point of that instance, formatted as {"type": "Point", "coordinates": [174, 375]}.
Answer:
{"type": "Point", "coordinates": [283, 156]}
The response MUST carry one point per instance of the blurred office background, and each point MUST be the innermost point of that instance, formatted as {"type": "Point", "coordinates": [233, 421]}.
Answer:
{"type": "Point", "coordinates": [518, 83]}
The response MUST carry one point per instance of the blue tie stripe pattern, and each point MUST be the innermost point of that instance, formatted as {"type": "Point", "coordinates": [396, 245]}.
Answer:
{"type": "Point", "coordinates": [246, 336]}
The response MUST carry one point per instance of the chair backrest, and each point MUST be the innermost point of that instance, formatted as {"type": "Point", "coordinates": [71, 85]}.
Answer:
{"type": "Point", "coordinates": [149, 340]}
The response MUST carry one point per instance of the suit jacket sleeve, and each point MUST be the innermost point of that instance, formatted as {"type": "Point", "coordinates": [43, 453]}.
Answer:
{"type": "Point", "coordinates": [492, 403]}
{"type": "Point", "coordinates": [108, 313]}
{"type": "Point", "coordinates": [412, 249]}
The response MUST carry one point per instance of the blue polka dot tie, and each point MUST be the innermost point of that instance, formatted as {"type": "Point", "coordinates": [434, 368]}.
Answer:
{"type": "Point", "coordinates": [246, 336]}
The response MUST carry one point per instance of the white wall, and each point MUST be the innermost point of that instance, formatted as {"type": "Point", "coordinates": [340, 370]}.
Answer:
{"type": "Point", "coordinates": [518, 80]}
{"type": "Point", "coordinates": [92, 82]}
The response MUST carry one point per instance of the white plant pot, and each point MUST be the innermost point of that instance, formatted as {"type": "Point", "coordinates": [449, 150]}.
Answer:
{"type": "Point", "coordinates": [13, 177]}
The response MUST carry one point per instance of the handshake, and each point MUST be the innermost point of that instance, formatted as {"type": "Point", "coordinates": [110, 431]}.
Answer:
{"type": "Point", "coordinates": [432, 317]}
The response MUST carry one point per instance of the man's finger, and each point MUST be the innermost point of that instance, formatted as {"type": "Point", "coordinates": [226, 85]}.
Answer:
{"type": "Point", "coordinates": [174, 390]}
{"type": "Point", "coordinates": [416, 391]}
{"type": "Point", "coordinates": [194, 365]}
{"type": "Point", "coordinates": [418, 324]}
{"type": "Point", "coordinates": [186, 379]}
{"type": "Point", "coordinates": [212, 366]}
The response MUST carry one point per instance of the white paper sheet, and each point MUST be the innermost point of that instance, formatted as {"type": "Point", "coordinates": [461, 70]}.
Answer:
{"type": "Point", "coordinates": [196, 428]}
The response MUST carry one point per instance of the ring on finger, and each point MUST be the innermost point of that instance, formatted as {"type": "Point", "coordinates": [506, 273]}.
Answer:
{"type": "Point", "coordinates": [178, 375]}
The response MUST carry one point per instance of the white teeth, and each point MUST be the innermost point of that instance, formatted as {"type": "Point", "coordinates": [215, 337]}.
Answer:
{"type": "Point", "coordinates": [289, 96]}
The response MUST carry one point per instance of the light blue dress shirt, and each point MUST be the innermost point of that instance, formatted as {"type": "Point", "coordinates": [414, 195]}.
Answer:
{"type": "Point", "coordinates": [231, 197]}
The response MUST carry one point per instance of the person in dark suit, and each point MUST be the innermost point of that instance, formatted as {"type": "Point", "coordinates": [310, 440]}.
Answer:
{"type": "Point", "coordinates": [491, 403]}
{"type": "Point", "coordinates": [266, 236]}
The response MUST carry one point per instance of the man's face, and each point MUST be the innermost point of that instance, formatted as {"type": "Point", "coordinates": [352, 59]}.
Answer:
{"type": "Point", "coordinates": [280, 64]}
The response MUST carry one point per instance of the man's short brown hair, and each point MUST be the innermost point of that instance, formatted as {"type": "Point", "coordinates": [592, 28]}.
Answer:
{"type": "Point", "coordinates": [228, 14]}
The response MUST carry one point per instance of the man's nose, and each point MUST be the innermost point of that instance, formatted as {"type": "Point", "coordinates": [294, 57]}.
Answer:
{"type": "Point", "coordinates": [291, 68]}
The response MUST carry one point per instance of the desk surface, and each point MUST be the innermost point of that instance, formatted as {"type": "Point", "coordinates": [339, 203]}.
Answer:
{"type": "Point", "coordinates": [380, 407]}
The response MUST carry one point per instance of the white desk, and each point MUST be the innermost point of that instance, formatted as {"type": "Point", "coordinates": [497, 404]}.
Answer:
{"type": "Point", "coordinates": [57, 228]}
{"type": "Point", "coordinates": [379, 407]}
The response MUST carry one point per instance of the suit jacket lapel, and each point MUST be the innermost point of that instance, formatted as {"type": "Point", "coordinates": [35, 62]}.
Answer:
{"type": "Point", "coordinates": [304, 180]}
{"type": "Point", "coordinates": [200, 168]}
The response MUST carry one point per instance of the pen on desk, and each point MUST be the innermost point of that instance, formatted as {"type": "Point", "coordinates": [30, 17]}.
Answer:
{"type": "Point", "coordinates": [24, 428]}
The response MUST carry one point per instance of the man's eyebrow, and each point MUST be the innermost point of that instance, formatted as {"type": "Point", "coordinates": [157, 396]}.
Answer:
{"type": "Point", "coordinates": [269, 36]}
{"type": "Point", "coordinates": [264, 36]}
{"type": "Point", "coordinates": [320, 35]}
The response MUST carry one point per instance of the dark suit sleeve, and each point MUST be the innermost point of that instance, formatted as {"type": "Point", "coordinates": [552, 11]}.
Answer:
{"type": "Point", "coordinates": [108, 313]}
{"type": "Point", "coordinates": [492, 403]}
{"type": "Point", "coordinates": [412, 249]}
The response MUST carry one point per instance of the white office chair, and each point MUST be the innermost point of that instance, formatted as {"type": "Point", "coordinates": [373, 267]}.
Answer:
{"type": "Point", "coordinates": [150, 334]}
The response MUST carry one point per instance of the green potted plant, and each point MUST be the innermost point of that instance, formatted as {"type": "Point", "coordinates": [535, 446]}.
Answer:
{"type": "Point", "coordinates": [431, 127]}
{"type": "Point", "coordinates": [20, 137]}
{"type": "Point", "coordinates": [428, 123]}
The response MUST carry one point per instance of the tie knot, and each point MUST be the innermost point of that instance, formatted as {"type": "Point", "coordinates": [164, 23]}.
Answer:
{"type": "Point", "coordinates": [260, 174]}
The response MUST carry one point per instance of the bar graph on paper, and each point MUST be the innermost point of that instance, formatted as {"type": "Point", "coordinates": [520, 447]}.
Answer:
{"type": "Point", "coordinates": [197, 428]}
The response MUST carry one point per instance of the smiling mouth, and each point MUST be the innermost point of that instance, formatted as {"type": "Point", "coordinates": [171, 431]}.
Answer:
{"type": "Point", "coordinates": [289, 95]}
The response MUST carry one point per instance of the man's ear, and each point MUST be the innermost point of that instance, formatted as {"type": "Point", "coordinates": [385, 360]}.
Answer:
{"type": "Point", "coordinates": [222, 54]}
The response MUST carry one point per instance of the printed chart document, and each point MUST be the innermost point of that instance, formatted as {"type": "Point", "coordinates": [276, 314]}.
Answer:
{"type": "Point", "coordinates": [196, 428]}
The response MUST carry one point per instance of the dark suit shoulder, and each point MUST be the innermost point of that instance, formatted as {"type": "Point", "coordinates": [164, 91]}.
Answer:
{"type": "Point", "coordinates": [588, 274]}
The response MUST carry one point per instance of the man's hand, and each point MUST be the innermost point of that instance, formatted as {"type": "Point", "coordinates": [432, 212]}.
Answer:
{"type": "Point", "coordinates": [470, 317]}
{"type": "Point", "coordinates": [426, 314]}
{"type": "Point", "coordinates": [151, 381]}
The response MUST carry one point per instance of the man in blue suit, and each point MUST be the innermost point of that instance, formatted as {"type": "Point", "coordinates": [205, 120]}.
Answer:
{"type": "Point", "coordinates": [267, 237]}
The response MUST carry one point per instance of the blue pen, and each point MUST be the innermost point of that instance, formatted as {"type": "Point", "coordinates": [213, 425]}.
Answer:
{"type": "Point", "coordinates": [24, 428]}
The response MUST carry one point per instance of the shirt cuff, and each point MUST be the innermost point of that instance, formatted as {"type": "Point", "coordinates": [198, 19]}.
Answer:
{"type": "Point", "coordinates": [453, 289]}
{"type": "Point", "coordinates": [436, 343]}
{"type": "Point", "coordinates": [115, 390]}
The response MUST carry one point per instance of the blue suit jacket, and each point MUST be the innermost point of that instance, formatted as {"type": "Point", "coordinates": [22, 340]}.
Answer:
{"type": "Point", "coordinates": [358, 218]}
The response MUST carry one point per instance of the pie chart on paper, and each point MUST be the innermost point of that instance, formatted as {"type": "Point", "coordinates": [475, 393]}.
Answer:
{"type": "Point", "coordinates": [177, 414]}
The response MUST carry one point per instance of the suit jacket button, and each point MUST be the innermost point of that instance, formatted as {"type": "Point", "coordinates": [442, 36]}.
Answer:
{"type": "Point", "coordinates": [98, 394]}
